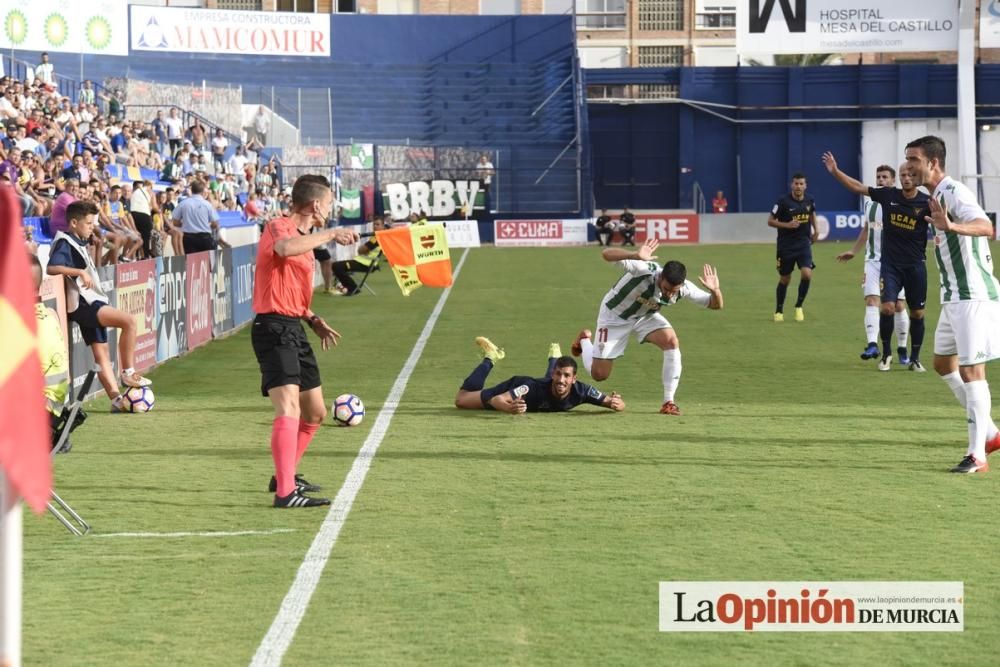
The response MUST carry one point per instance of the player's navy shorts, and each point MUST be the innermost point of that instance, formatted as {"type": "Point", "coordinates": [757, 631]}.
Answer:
{"type": "Point", "coordinates": [86, 316]}
{"type": "Point", "coordinates": [789, 258]}
{"type": "Point", "coordinates": [502, 388]}
{"type": "Point", "coordinates": [321, 254]}
{"type": "Point", "coordinates": [283, 353]}
{"type": "Point", "coordinates": [912, 278]}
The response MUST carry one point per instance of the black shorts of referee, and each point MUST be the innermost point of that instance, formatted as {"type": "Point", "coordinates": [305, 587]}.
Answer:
{"type": "Point", "coordinates": [199, 242]}
{"type": "Point", "coordinates": [283, 353]}
{"type": "Point", "coordinates": [322, 254]}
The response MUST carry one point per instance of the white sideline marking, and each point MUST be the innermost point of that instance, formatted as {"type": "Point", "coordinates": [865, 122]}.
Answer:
{"type": "Point", "coordinates": [235, 533]}
{"type": "Point", "coordinates": [279, 637]}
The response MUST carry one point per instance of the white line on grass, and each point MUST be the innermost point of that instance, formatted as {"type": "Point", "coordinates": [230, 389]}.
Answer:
{"type": "Point", "coordinates": [279, 637]}
{"type": "Point", "coordinates": [234, 533]}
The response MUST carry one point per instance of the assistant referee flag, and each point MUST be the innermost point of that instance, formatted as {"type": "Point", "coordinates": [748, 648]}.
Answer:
{"type": "Point", "coordinates": [24, 422]}
{"type": "Point", "coordinates": [418, 255]}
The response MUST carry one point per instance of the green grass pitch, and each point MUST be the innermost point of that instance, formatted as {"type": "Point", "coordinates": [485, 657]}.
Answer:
{"type": "Point", "coordinates": [482, 538]}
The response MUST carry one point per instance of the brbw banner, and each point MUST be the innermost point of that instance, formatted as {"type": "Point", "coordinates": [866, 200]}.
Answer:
{"type": "Point", "coordinates": [845, 26]}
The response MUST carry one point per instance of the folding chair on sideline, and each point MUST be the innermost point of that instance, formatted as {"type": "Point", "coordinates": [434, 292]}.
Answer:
{"type": "Point", "coordinates": [371, 267]}
{"type": "Point", "coordinates": [71, 416]}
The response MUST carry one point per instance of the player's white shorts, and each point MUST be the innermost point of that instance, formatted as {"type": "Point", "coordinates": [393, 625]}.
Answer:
{"type": "Point", "coordinates": [970, 329]}
{"type": "Point", "coordinates": [611, 339]}
{"type": "Point", "coordinates": [872, 284]}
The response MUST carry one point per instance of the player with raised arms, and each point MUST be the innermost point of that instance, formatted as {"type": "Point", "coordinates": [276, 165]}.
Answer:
{"type": "Point", "coordinates": [870, 238]}
{"type": "Point", "coordinates": [632, 306]}
{"type": "Point", "coordinates": [902, 233]}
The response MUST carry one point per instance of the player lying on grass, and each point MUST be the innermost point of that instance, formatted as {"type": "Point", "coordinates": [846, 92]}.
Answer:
{"type": "Point", "coordinates": [558, 391]}
{"type": "Point", "coordinates": [633, 306]}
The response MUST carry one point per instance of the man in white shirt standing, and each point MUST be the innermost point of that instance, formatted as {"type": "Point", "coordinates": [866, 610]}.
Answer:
{"type": "Point", "coordinates": [45, 72]}
{"type": "Point", "coordinates": [175, 130]}
{"type": "Point", "coordinates": [968, 330]}
{"type": "Point", "coordinates": [261, 124]}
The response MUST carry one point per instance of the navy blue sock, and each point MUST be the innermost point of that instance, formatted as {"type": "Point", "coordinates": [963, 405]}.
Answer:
{"type": "Point", "coordinates": [803, 290]}
{"type": "Point", "coordinates": [477, 379]}
{"type": "Point", "coordinates": [886, 326]}
{"type": "Point", "coordinates": [552, 367]}
{"type": "Point", "coordinates": [917, 328]}
{"type": "Point", "coordinates": [780, 294]}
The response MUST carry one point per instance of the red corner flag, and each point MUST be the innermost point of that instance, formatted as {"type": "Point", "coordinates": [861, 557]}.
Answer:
{"type": "Point", "coordinates": [25, 433]}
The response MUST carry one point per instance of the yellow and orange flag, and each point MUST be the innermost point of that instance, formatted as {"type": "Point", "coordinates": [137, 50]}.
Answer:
{"type": "Point", "coordinates": [24, 423]}
{"type": "Point", "coordinates": [418, 255]}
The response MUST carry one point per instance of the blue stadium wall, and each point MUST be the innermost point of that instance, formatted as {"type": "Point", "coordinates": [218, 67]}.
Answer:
{"type": "Point", "coordinates": [651, 155]}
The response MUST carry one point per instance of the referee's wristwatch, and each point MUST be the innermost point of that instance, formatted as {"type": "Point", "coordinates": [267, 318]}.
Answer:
{"type": "Point", "coordinates": [314, 319]}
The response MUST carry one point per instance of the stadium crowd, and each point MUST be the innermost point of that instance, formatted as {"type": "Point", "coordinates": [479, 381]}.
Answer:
{"type": "Point", "coordinates": [55, 150]}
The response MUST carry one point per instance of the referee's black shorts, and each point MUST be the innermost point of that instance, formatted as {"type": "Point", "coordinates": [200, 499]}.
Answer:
{"type": "Point", "coordinates": [283, 352]}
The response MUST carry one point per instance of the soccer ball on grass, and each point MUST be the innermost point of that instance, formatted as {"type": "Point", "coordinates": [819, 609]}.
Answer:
{"type": "Point", "coordinates": [348, 410]}
{"type": "Point", "coordinates": [138, 399]}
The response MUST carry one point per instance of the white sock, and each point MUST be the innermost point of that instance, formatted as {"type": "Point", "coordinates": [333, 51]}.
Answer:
{"type": "Point", "coordinates": [977, 397]}
{"type": "Point", "coordinates": [871, 324]}
{"type": "Point", "coordinates": [588, 353]}
{"type": "Point", "coordinates": [128, 371]}
{"type": "Point", "coordinates": [957, 386]}
{"type": "Point", "coordinates": [902, 328]}
{"type": "Point", "coordinates": [671, 373]}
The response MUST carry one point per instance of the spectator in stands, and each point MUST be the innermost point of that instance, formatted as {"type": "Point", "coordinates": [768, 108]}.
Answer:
{"type": "Point", "coordinates": [74, 170]}
{"type": "Point", "coordinates": [120, 144]}
{"type": "Point", "coordinates": [160, 133]}
{"type": "Point", "coordinates": [198, 166]}
{"type": "Point", "coordinates": [265, 177]}
{"type": "Point", "coordinates": [719, 204]}
{"type": "Point", "coordinates": [106, 234]}
{"type": "Point", "coordinates": [7, 111]}
{"type": "Point", "coordinates": [10, 172]}
{"type": "Point", "coordinates": [252, 208]}
{"type": "Point", "coordinates": [86, 93]}
{"type": "Point", "coordinates": [114, 99]}
{"type": "Point", "coordinates": [122, 223]}
{"type": "Point", "coordinates": [26, 179]}
{"type": "Point", "coordinates": [34, 120]}
{"type": "Point", "coordinates": [174, 235]}
{"type": "Point", "coordinates": [46, 73]}
{"type": "Point", "coordinates": [219, 146]}
{"type": "Point", "coordinates": [197, 219]}
{"type": "Point", "coordinates": [196, 135]}
{"type": "Point", "coordinates": [94, 142]}
{"type": "Point", "coordinates": [605, 228]}
{"type": "Point", "coordinates": [57, 219]}
{"type": "Point", "coordinates": [260, 126]}
{"type": "Point", "coordinates": [484, 171]}
{"type": "Point", "coordinates": [175, 131]}
{"type": "Point", "coordinates": [171, 172]}
{"type": "Point", "coordinates": [238, 163]}
{"type": "Point", "coordinates": [141, 209]}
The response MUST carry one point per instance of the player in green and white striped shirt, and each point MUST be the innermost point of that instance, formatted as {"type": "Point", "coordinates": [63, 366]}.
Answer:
{"type": "Point", "coordinates": [968, 331]}
{"type": "Point", "coordinates": [633, 306]}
